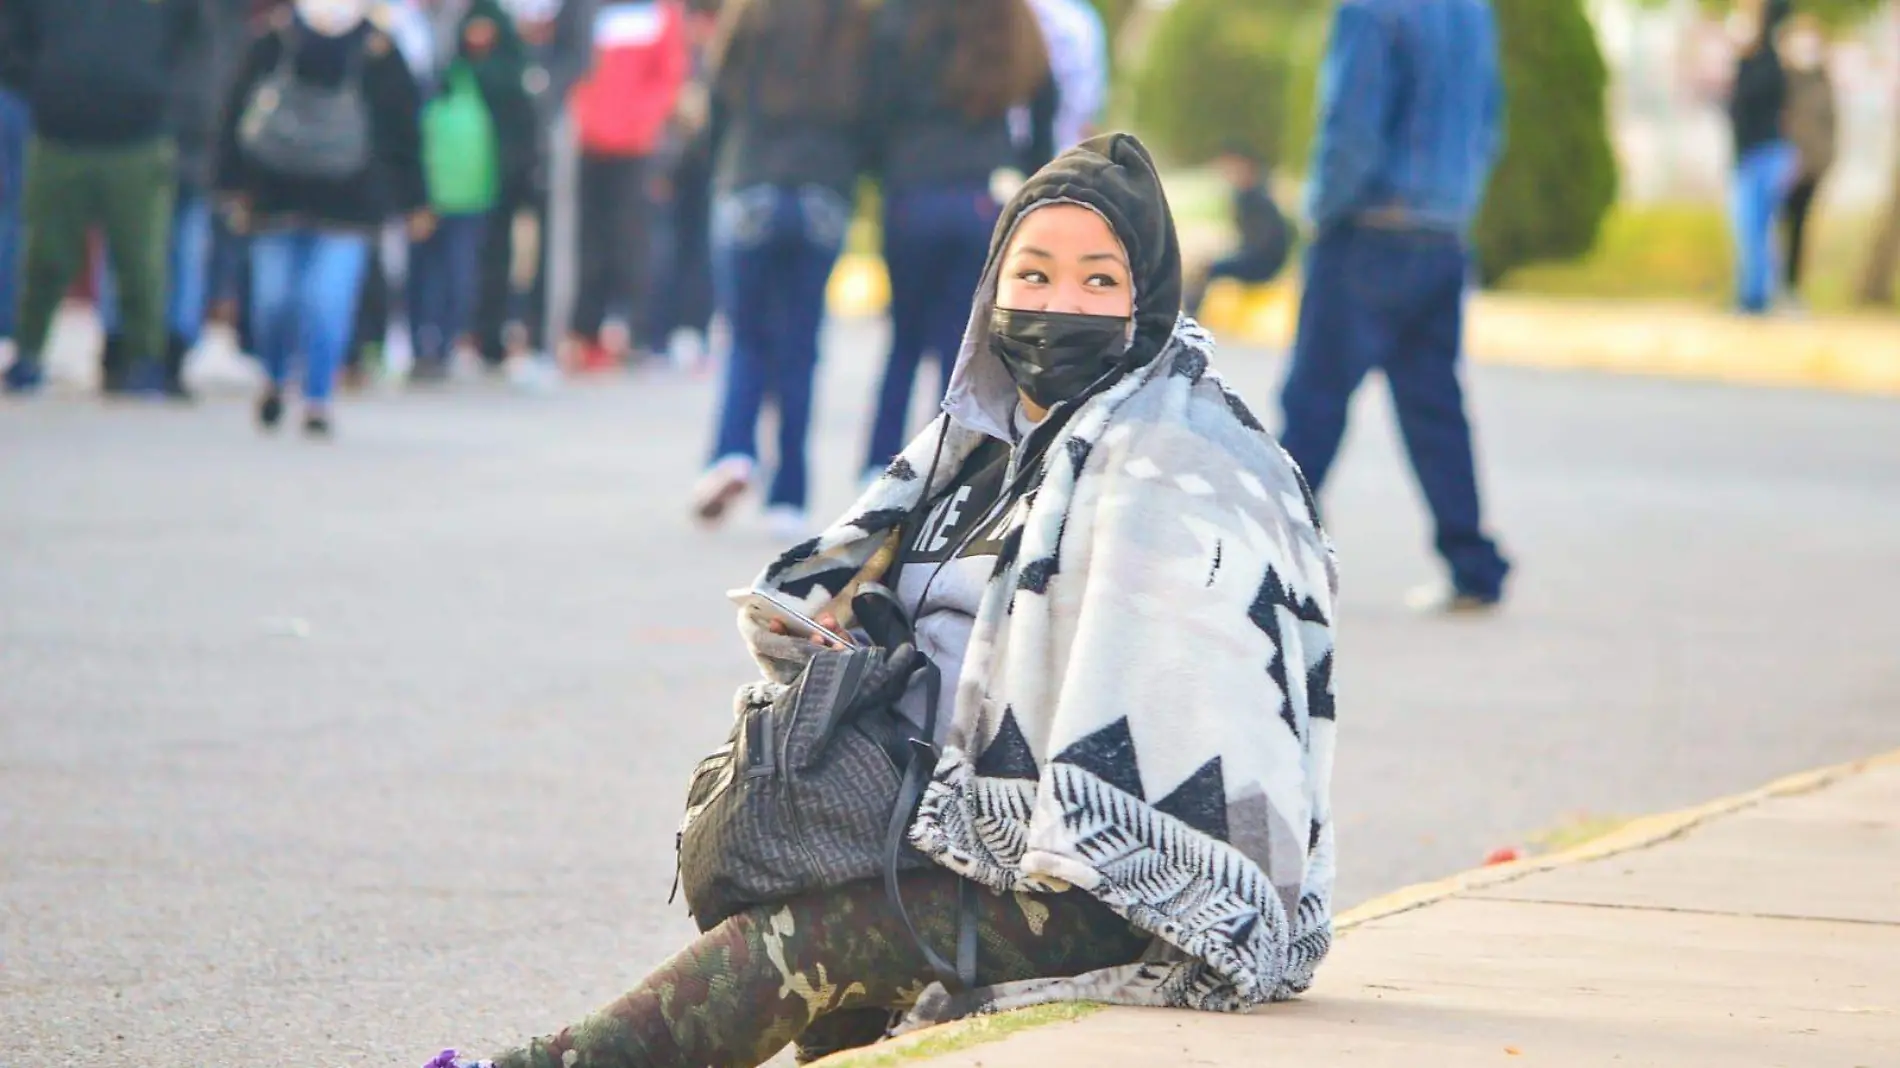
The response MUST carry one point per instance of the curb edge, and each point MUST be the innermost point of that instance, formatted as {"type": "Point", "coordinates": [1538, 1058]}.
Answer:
{"type": "Point", "coordinates": [1643, 832]}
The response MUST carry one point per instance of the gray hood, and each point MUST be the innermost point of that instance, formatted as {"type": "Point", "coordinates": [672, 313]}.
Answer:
{"type": "Point", "coordinates": [1113, 176]}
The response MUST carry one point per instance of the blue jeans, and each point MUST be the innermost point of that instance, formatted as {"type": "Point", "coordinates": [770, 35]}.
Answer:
{"type": "Point", "coordinates": [773, 250]}
{"type": "Point", "coordinates": [304, 285]}
{"type": "Point", "coordinates": [936, 241]}
{"type": "Point", "coordinates": [444, 278]}
{"type": "Point", "coordinates": [1762, 178]}
{"type": "Point", "coordinates": [16, 129]}
{"type": "Point", "coordinates": [1250, 266]}
{"type": "Point", "coordinates": [1393, 300]}
{"type": "Point", "coordinates": [188, 272]}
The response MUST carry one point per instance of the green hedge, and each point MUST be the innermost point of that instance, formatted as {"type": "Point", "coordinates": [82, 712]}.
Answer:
{"type": "Point", "coordinates": [1558, 178]}
{"type": "Point", "coordinates": [1221, 71]}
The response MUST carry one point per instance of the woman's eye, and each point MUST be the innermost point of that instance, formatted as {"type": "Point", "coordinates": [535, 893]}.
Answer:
{"type": "Point", "coordinates": [1104, 281]}
{"type": "Point", "coordinates": [1034, 277]}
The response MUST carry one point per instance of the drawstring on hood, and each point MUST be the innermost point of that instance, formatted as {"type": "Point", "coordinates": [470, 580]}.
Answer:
{"type": "Point", "coordinates": [1114, 176]}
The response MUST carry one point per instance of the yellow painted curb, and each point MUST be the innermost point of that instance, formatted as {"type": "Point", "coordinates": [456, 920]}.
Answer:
{"type": "Point", "coordinates": [1641, 833]}
{"type": "Point", "coordinates": [1846, 354]}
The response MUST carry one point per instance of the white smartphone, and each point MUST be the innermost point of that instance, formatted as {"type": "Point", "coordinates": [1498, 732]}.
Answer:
{"type": "Point", "coordinates": [766, 607]}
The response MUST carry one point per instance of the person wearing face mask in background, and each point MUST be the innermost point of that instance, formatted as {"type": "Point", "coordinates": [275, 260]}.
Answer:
{"type": "Point", "coordinates": [1810, 124]}
{"type": "Point", "coordinates": [1765, 163]}
{"type": "Point", "coordinates": [98, 76]}
{"type": "Point", "coordinates": [318, 146]}
{"type": "Point", "coordinates": [1125, 587]}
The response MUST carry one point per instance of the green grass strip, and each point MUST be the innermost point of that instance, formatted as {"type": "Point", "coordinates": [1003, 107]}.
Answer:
{"type": "Point", "coordinates": [978, 1031]}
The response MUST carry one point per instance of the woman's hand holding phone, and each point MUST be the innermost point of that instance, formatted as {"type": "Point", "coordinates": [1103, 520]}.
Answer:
{"type": "Point", "coordinates": [826, 620]}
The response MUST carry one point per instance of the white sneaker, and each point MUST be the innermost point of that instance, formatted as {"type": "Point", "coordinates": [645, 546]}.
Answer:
{"type": "Point", "coordinates": [531, 373]}
{"type": "Point", "coordinates": [787, 525]}
{"type": "Point", "coordinates": [722, 484]}
{"type": "Point", "coordinates": [686, 350]}
{"type": "Point", "coordinates": [1441, 599]}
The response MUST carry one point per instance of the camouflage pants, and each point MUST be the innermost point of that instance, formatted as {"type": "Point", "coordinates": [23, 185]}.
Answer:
{"type": "Point", "coordinates": [827, 971]}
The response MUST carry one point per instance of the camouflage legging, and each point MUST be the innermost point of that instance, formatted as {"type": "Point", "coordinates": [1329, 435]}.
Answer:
{"type": "Point", "coordinates": [827, 971]}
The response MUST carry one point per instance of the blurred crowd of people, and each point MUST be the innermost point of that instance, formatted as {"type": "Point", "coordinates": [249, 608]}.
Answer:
{"type": "Point", "coordinates": [315, 170]}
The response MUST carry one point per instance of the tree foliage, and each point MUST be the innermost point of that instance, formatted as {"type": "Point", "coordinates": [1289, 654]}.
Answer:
{"type": "Point", "coordinates": [1221, 72]}
{"type": "Point", "coordinates": [1557, 179]}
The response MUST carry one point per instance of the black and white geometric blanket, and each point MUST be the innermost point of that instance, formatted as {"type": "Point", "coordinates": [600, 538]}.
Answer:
{"type": "Point", "coordinates": [1146, 709]}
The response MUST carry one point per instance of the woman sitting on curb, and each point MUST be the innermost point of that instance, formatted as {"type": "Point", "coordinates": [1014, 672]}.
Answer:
{"type": "Point", "coordinates": [1125, 586]}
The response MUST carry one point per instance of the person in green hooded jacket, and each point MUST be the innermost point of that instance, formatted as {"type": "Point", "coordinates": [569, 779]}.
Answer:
{"type": "Point", "coordinates": [478, 144]}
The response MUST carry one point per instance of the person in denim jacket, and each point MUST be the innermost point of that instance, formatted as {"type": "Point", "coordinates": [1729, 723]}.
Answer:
{"type": "Point", "coordinates": [1411, 124]}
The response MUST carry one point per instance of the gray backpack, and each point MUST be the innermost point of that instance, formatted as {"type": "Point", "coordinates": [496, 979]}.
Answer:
{"type": "Point", "coordinates": [799, 799]}
{"type": "Point", "coordinates": [812, 791]}
{"type": "Point", "coordinates": [301, 130]}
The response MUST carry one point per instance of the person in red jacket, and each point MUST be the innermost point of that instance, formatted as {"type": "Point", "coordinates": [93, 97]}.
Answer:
{"type": "Point", "coordinates": [640, 64]}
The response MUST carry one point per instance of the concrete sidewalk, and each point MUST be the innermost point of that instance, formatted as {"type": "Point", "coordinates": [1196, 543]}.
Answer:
{"type": "Point", "coordinates": [1758, 930]}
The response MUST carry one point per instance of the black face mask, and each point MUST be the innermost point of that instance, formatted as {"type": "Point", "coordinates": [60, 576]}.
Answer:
{"type": "Point", "coordinates": [1055, 356]}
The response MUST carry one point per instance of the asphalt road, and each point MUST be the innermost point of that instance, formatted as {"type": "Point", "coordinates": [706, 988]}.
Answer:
{"type": "Point", "coordinates": [340, 753]}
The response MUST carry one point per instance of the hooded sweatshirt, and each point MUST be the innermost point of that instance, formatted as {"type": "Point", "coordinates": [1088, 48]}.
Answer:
{"type": "Point", "coordinates": [948, 557]}
{"type": "Point", "coordinates": [1145, 709]}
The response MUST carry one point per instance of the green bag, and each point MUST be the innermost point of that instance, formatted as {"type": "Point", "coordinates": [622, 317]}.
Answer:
{"type": "Point", "coordinates": [458, 147]}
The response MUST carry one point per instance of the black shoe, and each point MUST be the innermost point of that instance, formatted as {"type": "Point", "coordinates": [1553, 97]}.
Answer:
{"type": "Point", "coordinates": [429, 373]}
{"type": "Point", "coordinates": [24, 377]}
{"type": "Point", "coordinates": [270, 410]}
{"type": "Point", "coordinates": [173, 386]}
{"type": "Point", "coordinates": [115, 368]}
{"type": "Point", "coordinates": [317, 425]}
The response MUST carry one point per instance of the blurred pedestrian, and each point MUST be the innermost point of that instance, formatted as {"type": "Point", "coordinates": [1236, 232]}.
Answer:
{"type": "Point", "coordinates": [205, 75]}
{"type": "Point", "coordinates": [319, 145]}
{"type": "Point", "coordinates": [789, 144]}
{"type": "Point", "coordinates": [16, 129]}
{"type": "Point", "coordinates": [679, 315]}
{"type": "Point", "coordinates": [511, 313]}
{"type": "Point", "coordinates": [98, 76]}
{"type": "Point", "coordinates": [622, 109]}
{"type": "Point", "coordinates": [1410, 112]}
{"type": "Point", "coordinates": [478, 137]}
{"type": "Point", "coordinates": [945, 75]}
{"type": "Point", "coordinates": [1765, 162]}
{"type": "Point", "coordinates": [1078, 61]}
{"type": "Point", "coordinates": [1266, 238]}
{"type": "Point", "coordinates": [1810, 124]}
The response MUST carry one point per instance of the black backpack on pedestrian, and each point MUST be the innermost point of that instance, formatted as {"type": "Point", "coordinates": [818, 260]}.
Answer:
{"type": "Point", "coordinates": [295, 128]}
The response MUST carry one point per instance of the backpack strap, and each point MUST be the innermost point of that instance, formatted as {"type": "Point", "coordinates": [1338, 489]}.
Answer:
{"type": "Point", "coordinates": [923, 760]}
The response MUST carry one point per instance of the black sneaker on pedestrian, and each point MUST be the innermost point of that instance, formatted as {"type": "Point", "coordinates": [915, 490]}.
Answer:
{"type": "Point", "coordinates": [115, 368]}
{"type": "Point", "coordinates": [429, 373]}
{"type": "Point", "coordinates": [270, 410]}
{"type": "Point", "coordinates": [316, 426]}
{"type": "Point", "coordinates": [146, 379]}
{"type": "Point", "coordinates": [173, 386]}
{"type": "Point", "coordinates": [23, 378]}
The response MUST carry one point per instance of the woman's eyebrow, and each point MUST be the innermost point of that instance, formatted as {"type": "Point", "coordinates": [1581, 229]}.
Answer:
{"type": "Point", "coordinates": [1094, 257]}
